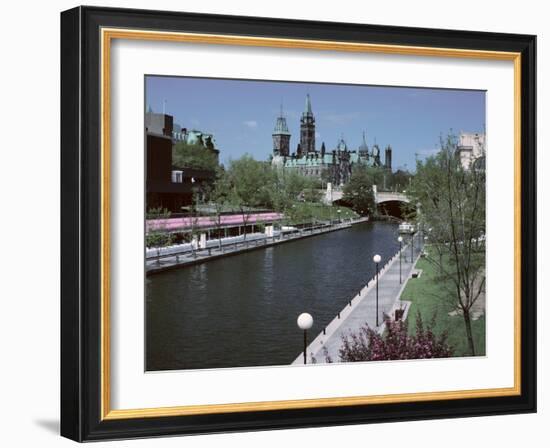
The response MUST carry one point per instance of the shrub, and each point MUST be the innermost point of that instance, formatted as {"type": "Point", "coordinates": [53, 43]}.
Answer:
{"type": "Point", "coordinates": [395, 343]}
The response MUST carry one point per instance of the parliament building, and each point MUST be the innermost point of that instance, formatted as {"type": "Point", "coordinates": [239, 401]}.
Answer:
{"type": "Point", "coordinates": [333, 166]}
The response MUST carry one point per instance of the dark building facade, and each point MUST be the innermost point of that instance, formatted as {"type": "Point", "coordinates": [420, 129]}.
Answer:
{"type": "Point", "coordinates": [168, 187]}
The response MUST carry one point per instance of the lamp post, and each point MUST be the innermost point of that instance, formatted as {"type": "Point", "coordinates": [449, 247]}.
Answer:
{"type": "Point", "coordinates": [305, 322]}
{"type": "Point", "coordinates": [376, 260]}
{"type": "Point", "coordinates": [400, 239]}
{"type": "Point", "coordinates": [412, 245]}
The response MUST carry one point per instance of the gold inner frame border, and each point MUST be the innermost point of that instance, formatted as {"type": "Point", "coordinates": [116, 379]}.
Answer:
{"type": "Point", "coordinates": [107, 36]}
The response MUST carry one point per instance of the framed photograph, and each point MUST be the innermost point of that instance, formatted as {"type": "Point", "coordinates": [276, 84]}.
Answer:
{"type": "Point", "coordinates": [273, 223]}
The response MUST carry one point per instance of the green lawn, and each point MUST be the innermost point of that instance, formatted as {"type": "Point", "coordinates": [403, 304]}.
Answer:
{"type": "Point", "coordinates": [306, 212]}
{"type": "Point", "coordinates": [429, 294]}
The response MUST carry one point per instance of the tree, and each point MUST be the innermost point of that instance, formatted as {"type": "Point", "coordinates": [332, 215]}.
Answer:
{"type": "Point", "coordinates": [311, 193]}
{"type": "Point", "coordinates": [378, 174]}
{"type": "Point", "coordinates": [248, 183]}
{"type": "Point", "coordinates": [156, 235]}
{"type": "Point", "coordinates": [395, 343]}
{"type": "Point", "coordinates": [452, 207]}
{"type": "Point", "coordinates": [399, 180]}
{"type": "Point", "coordinates": [194, 156]}
{"type": "Point", "coordinates": [287, 186]}
{"type": "Point", "coordinates": [220, 198]}
{"type": "Point", "coordinates": [327, 176]}
{"type": "Point", "coordinates": [198, 196]}
{"type": "Point", "coordinates": [358, 192]}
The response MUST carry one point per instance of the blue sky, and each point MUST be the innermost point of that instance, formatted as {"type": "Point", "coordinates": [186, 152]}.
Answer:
{"type": "Point", "coordinates": [241, 114]}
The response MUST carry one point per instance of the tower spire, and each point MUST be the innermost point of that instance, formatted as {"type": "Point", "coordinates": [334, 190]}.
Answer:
{"type": "Point", "coordinates": [363, 148]}
{"type": "Point", "coordinates": [308, 105]}
{"type": "Point", "coordinates": [307, 129]}
{"type": "Point", "coordinates": [281, 135]}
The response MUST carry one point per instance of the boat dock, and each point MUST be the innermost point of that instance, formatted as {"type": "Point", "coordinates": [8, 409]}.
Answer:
{"type": "Point", "coordinates": [175, 258]}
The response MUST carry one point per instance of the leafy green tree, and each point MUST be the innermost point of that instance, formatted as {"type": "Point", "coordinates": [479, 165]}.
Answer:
{"type": "Point", "coordinates": [156, 235]}
{"type": "Point", "coordinates": [219, 197]}
{"type": "Point", "coordinates": [358, 192]}
{"type": "Point", "coordinates": [286, 188]}
{"type": "Point", "coordinates": [326, 177]}
{"type": "Point", "coordinates": [198, 197]}
{"type": "Point", "coordinates": [312, 194]}
{"type": "Point", "coordinates": [248, 183]}
{"type": "Point", "coordinates": [399, 180]}
{"type": "Point", "coordinates": [378, 174]}
{"type": "Point", "coordinates": [193, 156]}
{"type": "Point", "coordinates": [452, 207]}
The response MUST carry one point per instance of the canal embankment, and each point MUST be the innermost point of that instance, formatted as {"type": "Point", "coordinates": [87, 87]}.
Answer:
{"type": "Point", "coordinates": [244, 308]}
{"type": "Point", "coordinates": [185, 255]}
{"type": "Point", "coordinates": [361, 309]}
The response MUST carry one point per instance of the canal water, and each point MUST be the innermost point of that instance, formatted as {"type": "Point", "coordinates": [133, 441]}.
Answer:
{"type": "Point", "coordinates": [241, 310]}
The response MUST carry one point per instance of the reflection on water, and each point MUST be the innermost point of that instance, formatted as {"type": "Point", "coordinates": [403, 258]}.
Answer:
{"type": "Point", "coordinates": [241, 310]}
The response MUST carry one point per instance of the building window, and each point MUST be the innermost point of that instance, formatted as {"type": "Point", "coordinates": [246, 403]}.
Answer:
{"type": "Point", "coordinates": [177, 177]}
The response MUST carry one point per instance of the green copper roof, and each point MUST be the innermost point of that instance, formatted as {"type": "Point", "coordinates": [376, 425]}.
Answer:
{"type": "Point", "coordinates": [342, 146]}
{"type": "Point", "coordinates": [304, 161]}
{"type": "Point", "coordinates": [281, 126]}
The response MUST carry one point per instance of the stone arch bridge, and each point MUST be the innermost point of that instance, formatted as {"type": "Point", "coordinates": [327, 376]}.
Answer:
{"type": "Point", "coordinates": [387, 202]}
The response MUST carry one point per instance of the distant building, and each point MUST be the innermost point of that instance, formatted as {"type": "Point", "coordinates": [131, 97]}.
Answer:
{"type": "Point", "coordinates": [158, 123]}
{"type": "Point", "coordinates": [471, 148]}
{"type": "Point", "coordinates": [387, 159]}
{"type": "Point", "coordinates": [281, 137]}
{"type": "Point", "coordinates": [333, 166]}
{"type": "Point", "coordinates": [307, 130]}
{"type": "Point", "coordinates": [166, 186]}
{"type": "Point", "coordinates": [196, 137]}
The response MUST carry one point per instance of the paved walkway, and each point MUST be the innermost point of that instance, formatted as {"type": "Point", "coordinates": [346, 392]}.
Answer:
{"type": "Point", "coordinates": [232, 246]}
{"type": "Point", "coordinates": [363, 306]}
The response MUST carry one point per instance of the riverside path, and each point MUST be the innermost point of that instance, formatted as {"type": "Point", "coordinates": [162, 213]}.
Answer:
{"type": "Point", "coordinates": [361, 310]}
{"type": "Point", "coordinates": [181, 255]}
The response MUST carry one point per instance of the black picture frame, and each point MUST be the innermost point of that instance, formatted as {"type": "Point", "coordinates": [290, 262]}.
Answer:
{"type": "Point", "coordinates": [81, 224]}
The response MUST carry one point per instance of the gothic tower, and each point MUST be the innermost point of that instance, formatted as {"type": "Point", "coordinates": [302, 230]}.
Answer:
{"type": "Point", "coordinates": [387, 163]}
{"type": "Point", "coordinates": [281, 137]}
{"type": "Point", "coordinates": [307, 129]}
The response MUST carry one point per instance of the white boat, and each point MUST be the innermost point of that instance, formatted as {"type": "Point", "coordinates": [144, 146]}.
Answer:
{"type": "Point", "coordinates": [406, 227]}
{"type": "Point", "coordinates": [288, 229]}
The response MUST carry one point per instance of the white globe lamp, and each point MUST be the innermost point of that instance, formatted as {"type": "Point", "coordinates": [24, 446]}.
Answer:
{"type": "Point", "coordinates": [305, 322]}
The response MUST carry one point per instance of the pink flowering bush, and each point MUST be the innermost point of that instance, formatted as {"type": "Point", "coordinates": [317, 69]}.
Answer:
{"type": "Point", "coordinates": [395, 343]}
